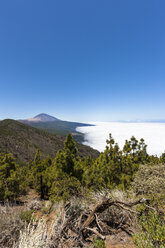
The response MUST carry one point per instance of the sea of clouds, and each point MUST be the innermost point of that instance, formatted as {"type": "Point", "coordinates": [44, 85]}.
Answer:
{"type": "Point", "coordinates": [152, 133]}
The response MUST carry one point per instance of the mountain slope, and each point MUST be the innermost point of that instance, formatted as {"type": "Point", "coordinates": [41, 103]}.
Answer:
{"type": "Point", "coordinates": [55, 126]}
{"type": "Point", "coordinates": [23, 141]}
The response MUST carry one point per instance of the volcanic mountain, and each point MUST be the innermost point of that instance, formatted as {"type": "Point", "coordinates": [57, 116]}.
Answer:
{"type": "Point", "coordinates": [54, 125]}
{"type": "Point", "coordinates": [42, 118]}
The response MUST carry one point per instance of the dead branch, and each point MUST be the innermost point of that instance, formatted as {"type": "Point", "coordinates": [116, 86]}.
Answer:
{"type": "Point", "coordinates": [124, 208]}
{"type": "Point", "coordinates": [97, 221]}
{"type": "Point", "coordinates": [77, 227]}
{"type": "Point", "coordinates": [95, 232]}
{"type": "Point", "coordinates": [99, 208]}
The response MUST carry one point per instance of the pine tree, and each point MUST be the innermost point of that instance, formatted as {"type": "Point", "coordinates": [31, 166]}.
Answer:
{"type": "Point", "coordinates": [12, 182]}
{"type": "Point", "coordinates": [162, 158]}
{"type": "Point", "coordinates": [39, 168]}
{"type": "Point", "coordinates": [66, 171]}
{"type": "Point", "coordinates": [70, 151]}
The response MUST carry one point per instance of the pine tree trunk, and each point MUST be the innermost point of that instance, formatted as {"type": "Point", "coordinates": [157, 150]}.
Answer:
{"type": "Point", "coordinates": [41, 184]}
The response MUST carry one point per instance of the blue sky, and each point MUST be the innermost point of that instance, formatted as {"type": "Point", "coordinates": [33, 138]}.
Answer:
{"type": "Point", "coordinates": [84, 60]}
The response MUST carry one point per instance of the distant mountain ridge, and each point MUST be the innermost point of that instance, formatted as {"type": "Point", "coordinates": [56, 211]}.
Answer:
{"type": "Point", "coordinates": [23, 140]}
{"type": "Point", "coordinates": [54, 125]}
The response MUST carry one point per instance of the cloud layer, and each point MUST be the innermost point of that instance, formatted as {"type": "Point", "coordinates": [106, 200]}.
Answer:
{"type": "Point", "coordinates": [152, 133]}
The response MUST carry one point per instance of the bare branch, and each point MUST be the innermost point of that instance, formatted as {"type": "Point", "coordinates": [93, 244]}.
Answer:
{"type": "Point", "coordinates": [95, 232]}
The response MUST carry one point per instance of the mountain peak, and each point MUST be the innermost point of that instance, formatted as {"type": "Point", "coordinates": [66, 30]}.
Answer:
{"type": "Point", "coordinates": [43, 118]}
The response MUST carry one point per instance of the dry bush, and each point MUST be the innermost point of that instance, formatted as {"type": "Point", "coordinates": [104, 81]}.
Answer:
{"type": "Point", "coordinates": [94, 196]}
{"type": "Point", "coordinates": [150, 179]}
{"type": "Point", "coordinates": [80, 221]}
{"type": "Point", "coordinates": [34, 235]}
{"type": "Point", "coordinates": [10, 226]}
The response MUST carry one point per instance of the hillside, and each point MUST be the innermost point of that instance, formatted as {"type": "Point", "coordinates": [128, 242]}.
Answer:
{"type": "Point", "coordinates": [54, 125]}
{"type": "Point", "coordinates": [23, 141]}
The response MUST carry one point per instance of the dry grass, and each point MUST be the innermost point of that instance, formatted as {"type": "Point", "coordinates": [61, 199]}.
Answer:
{"type": "Point", "coordinates": [10, 226]}
{"type": "Point", "coordinates": [34, 235]}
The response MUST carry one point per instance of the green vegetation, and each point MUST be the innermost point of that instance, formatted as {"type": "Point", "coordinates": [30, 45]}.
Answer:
{"type": "Point", "coordinates": [38, 173]}
{"type": "Point", "coordinates": [12, 180]}
{"type": "Point", "coordinates": [152, 231]}
{"type": "Point", "coordinates": [130, 170]}
{"type": "Point", "coordinates": [26, 216]}
{"type": "Point", "coordinates": [99, 243]}
{"type": "Point", "coordinates": [68, 174]}
{"type": "Point", "coordinates": [115, 167]}
{"type": "Point", "coordinates": [149, 181]}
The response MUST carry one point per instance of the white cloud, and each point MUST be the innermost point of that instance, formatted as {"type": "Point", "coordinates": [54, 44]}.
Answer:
{"type": "Point", "coordinates": [152, 133]}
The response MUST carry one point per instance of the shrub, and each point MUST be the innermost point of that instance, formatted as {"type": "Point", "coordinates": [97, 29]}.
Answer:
{"type": "Point", "coordinates": [152, 232]}
{"type": "Point", "coordinates": [150, 180]}
{"type": "Point", "coordinates": [26, 215]}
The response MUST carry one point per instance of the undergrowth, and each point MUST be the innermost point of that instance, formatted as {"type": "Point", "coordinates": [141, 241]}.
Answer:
{"type": "Point", "coordinates": [152, 231]}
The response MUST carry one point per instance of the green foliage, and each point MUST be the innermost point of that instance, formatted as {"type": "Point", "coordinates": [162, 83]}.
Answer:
{"type": "Point", "coordinates": [26, 215]}
{"type": "Point", "coordinates": [70, 145]}
{"type": "Point", "coordinates": [70, 154]}
{"type": "Point", "coordinates": [136, 150]}
{"type": "Point", "coordinates": [39, 169]}
{"type": "Point", "coordinates": [64, 188]}
{"type": "Point", "coordinates": [98, 243]}
{"type": "Point", "coordinates": [69, 175]}
{"type": "Point", "coordinates": [12, 179]}
{"type": "Point", "coordinates": [162, 158]}
{"type": "Point", "coordinates": [65, 174]}
{"type": "Point", "coordinates": [115, 167]}
{"type": "Point", "coordinates": [152, 231]}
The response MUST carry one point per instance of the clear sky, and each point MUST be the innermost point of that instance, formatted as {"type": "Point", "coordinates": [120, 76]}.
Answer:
{"type": "Point", "coordinates": [84, 60]}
